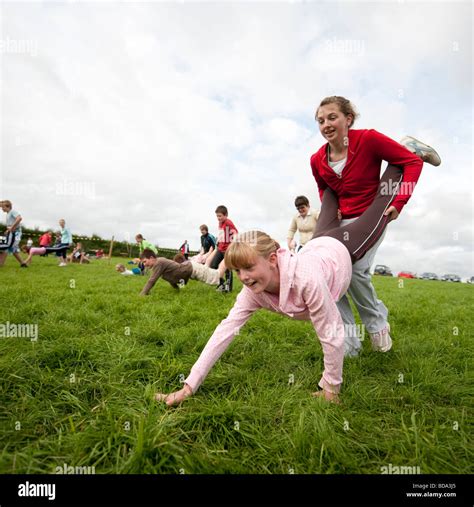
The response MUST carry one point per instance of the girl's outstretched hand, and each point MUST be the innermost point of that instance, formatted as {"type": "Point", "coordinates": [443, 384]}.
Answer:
{"type": "Point", "coordinates": [175, 398]}
{"type": "Point", "coordinates": [327, 395]}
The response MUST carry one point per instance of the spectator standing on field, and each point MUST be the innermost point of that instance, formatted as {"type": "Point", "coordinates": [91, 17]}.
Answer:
{"type": "Point", "coordinates": [184, 249]}
{"type": "Point", "coordinates": [304, 223]}
{"type": "Point", "coordinates": [66, 242]}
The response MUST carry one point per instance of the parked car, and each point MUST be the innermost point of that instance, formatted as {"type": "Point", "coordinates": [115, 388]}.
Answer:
{"type": "Point", "coordinates": [382, 270]}
{"type": "Point", "coordinates": [450, 278]}
{"type": "Point", "coordinates": [429, 276]}
{"type": "Point", "coordinates": [470, 280]}
{"type": "Point", "coordinates": [406, 274]}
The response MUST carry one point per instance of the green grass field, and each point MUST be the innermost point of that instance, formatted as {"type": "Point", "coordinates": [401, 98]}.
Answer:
{"type": "Point", "coordinates": [82, 394]}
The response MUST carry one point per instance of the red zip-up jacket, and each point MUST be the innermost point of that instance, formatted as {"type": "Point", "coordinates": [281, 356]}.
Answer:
{"type": "Point", "coordinates": [357, 185]}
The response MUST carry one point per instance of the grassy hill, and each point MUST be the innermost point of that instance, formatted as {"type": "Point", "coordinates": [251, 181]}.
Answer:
{"type": "Point", "coordinates": [82, 394]}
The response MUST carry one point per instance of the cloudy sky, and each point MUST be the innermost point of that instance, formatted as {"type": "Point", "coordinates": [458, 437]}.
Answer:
{"type": "Point", "coordinates": [143, 117]}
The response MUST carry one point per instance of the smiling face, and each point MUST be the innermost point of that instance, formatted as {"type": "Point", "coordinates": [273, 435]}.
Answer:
{"type": "Point", "coordinates": [333, 124]}
{"type": "Point", "coordinates": [303, 210]}
{"type": "Point", "coordinates": [221, 217]}
{"type": "Point", "coordinates": [262, 275]}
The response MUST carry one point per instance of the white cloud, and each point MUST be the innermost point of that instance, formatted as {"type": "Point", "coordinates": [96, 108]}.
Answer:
{"type": "Point", "coordinates": [167, 110]}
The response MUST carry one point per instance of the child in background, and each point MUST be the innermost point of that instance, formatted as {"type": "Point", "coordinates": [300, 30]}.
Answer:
{"type": "Point", "coordinates": [66, 242]}
{"type": "Point", "coordinates": [44, 250]}
{"type": "Point", "coordinates": [46, 238]}
{"type": "Point", "coordinates": [143, 243]}
{"type": "Point", "coordinates": [179, 258]}
{"type": "Point", "coordinates": [208, 245]}
{"type": "Point", "coordinates": [78, 255]}
{"type": "Point", "coordinates": [60, 247]}
{"type": "Point", "coordinates": [227, 231]}
{"type": "Point", "coordinates": [35, 250]}
{"type": "Point", "coordinates": [184, 249]}
{"type": "Point", "coordinates": [138, 262]}
{"type": "Point", "coordinates": [13, 233]}
{"type": "Point", "coordinates": [127, 272]}
{"type": "Point", "coordinates": [175, 273]}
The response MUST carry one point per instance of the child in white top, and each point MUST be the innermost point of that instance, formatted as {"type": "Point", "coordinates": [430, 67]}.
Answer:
{"type": "Point", "coordinates": [120, 268]}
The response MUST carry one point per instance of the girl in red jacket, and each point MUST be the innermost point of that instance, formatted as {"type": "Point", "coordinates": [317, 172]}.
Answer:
{"type": "Point", "coordinates": [349, 164]}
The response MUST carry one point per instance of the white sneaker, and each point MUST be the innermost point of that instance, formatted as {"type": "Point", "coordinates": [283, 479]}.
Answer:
{"type": "Point", "coordinates": [62, 264]}
{"type": "Point", "coordinates": [425, 152]}
{"type": "Point", "coordinates": [381, 341]}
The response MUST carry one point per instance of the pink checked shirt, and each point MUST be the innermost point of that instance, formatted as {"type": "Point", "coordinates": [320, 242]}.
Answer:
{"type": "Point", "coordinates": [310, 284]}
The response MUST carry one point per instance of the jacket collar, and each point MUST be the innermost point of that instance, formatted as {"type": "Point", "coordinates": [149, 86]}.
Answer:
{"type": "Point", "coordinates": [311, 211]}
{"type": "Point", "coordinates": [351, 134]}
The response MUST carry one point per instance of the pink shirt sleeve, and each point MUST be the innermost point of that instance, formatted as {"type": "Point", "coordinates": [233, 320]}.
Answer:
{"type": "Point", "coordinates": [242, 310]}
{"type": "Point", "coordinates": [329, 327]}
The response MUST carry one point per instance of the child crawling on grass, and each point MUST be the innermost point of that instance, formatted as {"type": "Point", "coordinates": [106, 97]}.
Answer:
{"type": "Point", "coordinates": [120, 268]}
{"type": "Point", "coordinates": [176, 272]}
{"type": "Point", "coordinates": [303, 287]}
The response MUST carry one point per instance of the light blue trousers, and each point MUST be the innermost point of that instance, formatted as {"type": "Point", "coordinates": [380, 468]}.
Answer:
{"type": "Point", "coordinates": [373, 313]}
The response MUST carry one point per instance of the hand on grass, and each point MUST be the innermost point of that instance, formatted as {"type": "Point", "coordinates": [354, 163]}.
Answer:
{"type": "Point", "coordinates": [175, 398]}
{"type": "Point", "coordinates": [392, 213]}
{"type": "Point", "coordinates": [327, 395]}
